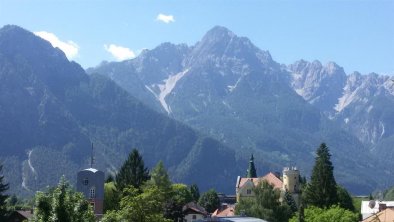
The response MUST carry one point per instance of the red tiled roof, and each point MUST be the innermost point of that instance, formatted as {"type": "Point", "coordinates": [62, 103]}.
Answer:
{"type": "Point", "coordinates": [228, 211]}
{"type": "Point", "coordinates": [270, 178]}
{"type": "Point", "coordinates": [245, 179]}
{"type": "Point", "coordinates": [384, 215]}
{"type": "Point", "coordinates": [194, 207]}
{"type": "Point", "coordinates": [273, 180]}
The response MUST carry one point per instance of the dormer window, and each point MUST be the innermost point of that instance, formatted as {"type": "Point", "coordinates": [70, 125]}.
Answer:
{"type": "Point", "coordinates": [85, 181]}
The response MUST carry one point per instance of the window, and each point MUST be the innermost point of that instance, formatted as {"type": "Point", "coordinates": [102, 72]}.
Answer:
{"type": "Point", "coordinates": [85, 181]}
{"type": "Point", "coordinates": [92, 192]}
{"type": "Point", "coordinates": [248, 191]}
{"type": "Point", "coordinates": [194, 217]}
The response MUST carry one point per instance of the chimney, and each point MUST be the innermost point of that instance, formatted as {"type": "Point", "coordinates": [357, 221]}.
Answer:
{"type": "Point", "coordinates": [382, 207]}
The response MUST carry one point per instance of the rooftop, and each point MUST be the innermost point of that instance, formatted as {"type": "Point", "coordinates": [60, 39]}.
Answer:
{"type": "Point", "coordinates": [384, 216]}
{"type": "Point", "coordinates": [271, 178]}
{"type": "Point", "coordinates": [366, 211]}
{"type": "Point", "coordinates": [91, 170]}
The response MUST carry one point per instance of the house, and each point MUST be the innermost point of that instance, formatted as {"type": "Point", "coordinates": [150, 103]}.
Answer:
{"type": "Point", "coordinates": [226, 210]}
{"type": "Point", "coordinates": [244, 186]}
{"type": "Point", "coordinates": [232, 219]}
{"type": "Point", "coordinates": [90, 182]}
{"type": "Point", "coordinates": [290, 182]}
{"type": "Point", "coordinates": [227, 199]}
{"type": "Point", "coordinates": [193, 212]}
{"type": "Point", "coordinates": [369, 208]}
{"type": "Point", "coordinates": [386, 215]}
{"type": "Point", "coordinates": [20, 215]}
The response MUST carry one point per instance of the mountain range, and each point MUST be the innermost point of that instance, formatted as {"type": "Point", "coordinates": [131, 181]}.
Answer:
{"type": "Point", "coordinates": [51, 111]}
{"type": "Point", "coordinates": [226, 87]}
{"type": "Point", "coordinates": [202, 109]}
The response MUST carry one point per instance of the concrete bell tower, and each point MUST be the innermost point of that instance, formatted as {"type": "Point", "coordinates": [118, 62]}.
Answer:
{"type": "Point", "coordinates": [90, 182]}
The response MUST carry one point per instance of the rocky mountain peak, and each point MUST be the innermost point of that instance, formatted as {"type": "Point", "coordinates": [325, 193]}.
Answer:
{"type": "Point", "coordinates": [15, 40]}
{"type": "Point", "coordinates": [39, 59]}
{"type": "Point", "coordinates": [333, 68]}
{"type": "Point", "coordinates": [218, 33]}
{"type": "Point", "coordinates": [319, 85]}
{"type": "Point", "coordinates": [221, 45]}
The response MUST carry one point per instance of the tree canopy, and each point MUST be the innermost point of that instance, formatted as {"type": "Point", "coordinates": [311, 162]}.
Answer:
{"type": "Point", "coordinates": [139, 207]}
{"type": "Point", "coordinates": [3, 188]}
{"type": "Point", "coordinates": [265, 204]}
{"type": "Point", "coordinates": [111, 197]}
{"type": "Point", "coordinates": [322, 189]}
{"type": "Point", "coordinates": [180, 195]}
{"type": "Point", "coordinates": [160, 178]}
{"type": "Point", "coordinates": [209, 200]}
{"type": "Point", "coordinates": [62, 204]}
{"type": "Point", "coordinates": [334, 213]}
{"type": "Point", "coordinates": [133, 172]}
{"type": "Point", "coordinates": [345, 201]}
{"type": "Point", "coordinates": [195, 192]}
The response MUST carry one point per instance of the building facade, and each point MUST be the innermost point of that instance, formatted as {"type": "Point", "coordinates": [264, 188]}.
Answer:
{"type": "Point", "coordinates": [289, 182]}
{"type": "Point", "coordinates": [90, 182]}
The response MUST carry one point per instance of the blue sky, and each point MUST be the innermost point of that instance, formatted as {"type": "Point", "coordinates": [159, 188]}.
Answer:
{"type": "Point", "coordinates": [356, 34]}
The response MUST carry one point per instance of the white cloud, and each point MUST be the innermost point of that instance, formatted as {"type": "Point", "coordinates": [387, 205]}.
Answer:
{"type": "Point", "coordinates": [165, 18]}
{"type": "Point", "coordinates": [119, 52]}
{"type": "Point", "coordinates": [69, 47]}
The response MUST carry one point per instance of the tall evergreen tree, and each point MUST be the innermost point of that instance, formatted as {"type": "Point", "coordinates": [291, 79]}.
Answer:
{"type": "Point", "coordinates": [301, 213]}
{"type": "Point", "coordinates": [290, 201]}
{"type": "Point", "coordinates": [3, 187]}
{"type": "Point", "coordinates": [251, 172]}
{"type": "Point", "coordinates": [322, 190]}
{"type": "Point", "coordinates": [133, 172]}
{"type": "Point", "coordinates": [344, 199]}
{"type": "Point", "coordinates": [160, 178]}
{"type": "Point", "coordinates": [195, 192]}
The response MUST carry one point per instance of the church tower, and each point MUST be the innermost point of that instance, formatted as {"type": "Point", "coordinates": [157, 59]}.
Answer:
{"type": "Point", "coordinates": [90, 182]}
{"type": "Point", "coordinates": [251, 172]}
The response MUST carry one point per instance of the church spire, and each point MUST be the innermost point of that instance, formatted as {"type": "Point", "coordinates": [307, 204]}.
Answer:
{"type": "Point", "coordinates": [92, 158]}
{"type": "Point", "coordinates": [251, 172]}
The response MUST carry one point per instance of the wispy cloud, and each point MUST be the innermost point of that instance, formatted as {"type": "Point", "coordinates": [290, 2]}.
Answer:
{"type": "Point", "coordinates": [69, 47]}
{"type": "Point", "coordinates": [119, 52]}
{"type": "Point", "coordinates": [165, 18]}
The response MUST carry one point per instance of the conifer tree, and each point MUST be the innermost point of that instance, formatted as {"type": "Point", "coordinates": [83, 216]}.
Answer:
{"type": "Point", "coordinates": [322, 190]}
{"type": "Point", "coordinates": [133, 172]}
{"type": "Point", "coordinates": [344, 199]}
{"type": "Point", "coordinates": [251, 172]}
{"type": "Point", "coordinates": [195, 192]}
{"type": "Point", "coordinates": [160, 178]}
{"type": "Point", "coordinates": [3, 187]}
{"type": "Point", "coordinates": [290, 201]}
{"type": "Point", "coordinates": [301, 213]}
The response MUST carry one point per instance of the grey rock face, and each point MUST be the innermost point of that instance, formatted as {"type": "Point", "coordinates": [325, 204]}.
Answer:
{"type": "Point", "coordinates": [317, 84]}
{"type": "Point", "coordinates": [227, 88]}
